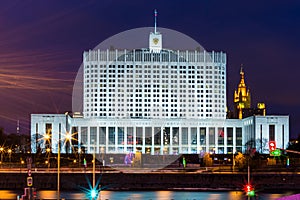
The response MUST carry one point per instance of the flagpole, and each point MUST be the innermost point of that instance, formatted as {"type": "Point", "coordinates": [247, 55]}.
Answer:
{"type": "Point", "coordinates": [155, 15]}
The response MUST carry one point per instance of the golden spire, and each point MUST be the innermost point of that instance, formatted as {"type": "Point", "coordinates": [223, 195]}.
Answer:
{"type": "Point", "coordinates": [242, 81]}
{"type": "Point", "coordinates": [242, 95]}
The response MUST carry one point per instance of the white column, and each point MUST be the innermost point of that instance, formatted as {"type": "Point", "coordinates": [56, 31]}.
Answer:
{"type": "Point", "coordinates": [207, 138]}
{"type": "Point", "coordinates": [79, 138]}
{"type": "Point", "coordinates": [143, 142]}
{"type": "Point", "coordinates": [189, 139]}
{"type": "Point", "coordinates": [106, 139]}
{"type": "Point", "coordinates": [216, 139]}
{"type": "Point", "coordinates": [116, 138]}
{"type": "Point", "coordinates": [97, 140]}
{"type": "Point", "coordinates": [225, 140]}
{"type": "Point", "coordinates": [198, 140]}
{"type": "Point", "coordinates": [161, 141]}
{"type": "Point", "coordinates": [89, 139]}
{"type": "Point", "coordinates": [171, 141]}
{"type": "Point", "coordinates": [234, 139]}
{"type": "Point", "coordinates": [180, 140]}
{"type": "Point", "coordinates": [152, 145]}
{"type": "Point", "coordinates": [134, 138]}
{"type": "Point", "coordinates": [125, 139]}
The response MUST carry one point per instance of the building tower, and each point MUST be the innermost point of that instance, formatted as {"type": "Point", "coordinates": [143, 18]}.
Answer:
{"type": "Point", "coordinates": [242, 97]}
{"type": "Point", "coordinates": [155, 38]}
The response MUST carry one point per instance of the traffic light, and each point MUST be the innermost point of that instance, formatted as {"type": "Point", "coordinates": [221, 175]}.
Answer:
{"type": "Point", "coordinates": [29, 181]}
{"type": "Point", "coordinates": [249, 190]}
{"type": "Point", "coordinates": [84, 162]}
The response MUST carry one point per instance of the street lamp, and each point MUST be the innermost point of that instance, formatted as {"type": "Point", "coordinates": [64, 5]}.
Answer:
{"type": "Point", "coordinates": [47, 138]}
{"type": "Point", "coordinates": [233, 161]}
{"type": "Point", "coordinates": [58, 170]}
{"type": "Point", "coordinates": [68, 138]}
{"type": "Point", "coordinates": [9, 154]}
{"type": "Point", "coordinates": [48, 157]}
{"type": "Point", "coordinates": [1, 151]}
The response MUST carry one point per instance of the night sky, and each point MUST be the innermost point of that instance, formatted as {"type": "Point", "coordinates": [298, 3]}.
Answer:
{"type": "Point", "coordinates": [41, 46]}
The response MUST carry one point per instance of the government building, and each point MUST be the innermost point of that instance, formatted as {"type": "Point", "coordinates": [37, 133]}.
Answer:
{"type": "Point", "coordinates": [159, 101]}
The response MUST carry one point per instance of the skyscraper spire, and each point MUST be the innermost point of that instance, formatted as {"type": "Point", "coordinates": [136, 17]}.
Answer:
{"type": "Point", "coordinates": [155, 16]}
{"type": "Point", "coordinates": [242, 97]}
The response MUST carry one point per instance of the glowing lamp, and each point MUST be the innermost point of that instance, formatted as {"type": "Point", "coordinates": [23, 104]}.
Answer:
{"type": "Point", "coordinates": [93, 193]}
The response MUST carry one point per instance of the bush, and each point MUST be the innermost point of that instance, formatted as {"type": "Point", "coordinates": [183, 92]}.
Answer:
{"type": "Point", "coordinates": [207, 160]}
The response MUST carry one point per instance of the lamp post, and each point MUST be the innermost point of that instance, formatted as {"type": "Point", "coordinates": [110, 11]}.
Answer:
{"type": "Point", "coordinates": [58, 170]}
{"type": "Point", "coordinates": [233, 161]}
{"type": "Point", "coordinates": [9, 154]}
{"type": "Point", "coordinates": [48, 150]}
{"type": "Point", "coordinates": [94, 166]}
{"type": "Point", "coordinates": [68, 137]}
{"type": "Point", "coordinates": [1, 150]}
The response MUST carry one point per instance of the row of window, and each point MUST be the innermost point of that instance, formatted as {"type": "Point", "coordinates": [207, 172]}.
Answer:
{"type": "Point", "coordinates": [170, 135]}
{"type": "Point", "coordinates": [111, 85]}
{"type": "Point", "coordinates": [156, 73]}
{"type": "Point", "coordinates": [153, 115]}
{"type": "Point", "coordinates": [150, 76]}
{"type": "Point", "coordinates": [190, 67]}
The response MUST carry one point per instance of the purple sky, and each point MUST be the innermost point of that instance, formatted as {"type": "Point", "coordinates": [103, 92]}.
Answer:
{"type": "Point", "coordinates": [41, 46]}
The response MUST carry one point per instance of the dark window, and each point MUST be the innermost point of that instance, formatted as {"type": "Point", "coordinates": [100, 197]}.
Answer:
{"type": "Point", "coordinates": [239, 137]}
{"type": "Point", "coordinates": [211, 136]}
{"type": "Point", "coordinates": [202, 136]}
{"type": "Point", "coordinates": [230, 136]}
{"type": "Point", "coordinates": [271, 132]}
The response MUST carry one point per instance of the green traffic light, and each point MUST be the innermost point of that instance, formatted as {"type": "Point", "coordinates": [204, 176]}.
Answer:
{"type": "Point", "coordinates": [251, 193]}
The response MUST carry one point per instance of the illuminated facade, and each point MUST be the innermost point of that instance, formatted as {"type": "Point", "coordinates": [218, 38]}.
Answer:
{"type": "Point", "coordinates": [242, 101]}
{"type": "Point", "coordinates": [160, 102]}
{"type": "Point", "coordinates": [141, 84]}
{"type": "Point", "coordinates": [242, 98]}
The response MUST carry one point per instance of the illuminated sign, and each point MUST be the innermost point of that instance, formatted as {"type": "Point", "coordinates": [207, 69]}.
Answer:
{"type": "Point", "coordinates": [272, 146]}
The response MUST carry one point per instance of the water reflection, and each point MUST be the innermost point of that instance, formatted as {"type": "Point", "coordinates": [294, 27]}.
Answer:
{"type": "Point", "coordinates": [50, 194]}
{"type": "Point", "coordinates": [235, 194]}
{"type": "Point", "coordinates": [164, 194]}
{"type": "Point", "coordinates": [7, 194]}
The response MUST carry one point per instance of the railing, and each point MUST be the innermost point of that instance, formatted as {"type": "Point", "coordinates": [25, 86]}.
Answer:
{"type": "Point", "coordinates": [146, 56]}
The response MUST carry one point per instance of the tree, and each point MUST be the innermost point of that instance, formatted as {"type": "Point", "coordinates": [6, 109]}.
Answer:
{"type": "Point", "coordinates": [207, 160]}
{"type": "Point", "coordinates": [36, 143]}
{"type": "Point", "coordinates": [250, 144]}
{"type": "Point", "coordinates": [262, 145]}
{"type": "Point", "coordinates": [294, 145]}
{"type": "Point", "coordinates": [240, 161]}
{"type": "Point", "coordinates": [1, 136]}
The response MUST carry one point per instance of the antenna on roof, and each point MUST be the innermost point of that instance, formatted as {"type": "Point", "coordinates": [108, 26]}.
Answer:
{"type": "Point", "coordinates": [155, 16]}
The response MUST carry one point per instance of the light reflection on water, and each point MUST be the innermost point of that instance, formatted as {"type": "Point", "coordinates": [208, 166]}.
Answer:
{"type": "Point", "coordinates": [7, 194]}
{"type": "Point", "coordinates": [148, 195]}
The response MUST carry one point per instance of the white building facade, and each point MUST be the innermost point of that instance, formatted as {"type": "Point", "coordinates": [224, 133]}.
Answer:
{"type": "Point", "coordinates": [156, 101]}
{"type": "Point", "coordinates": [155, 136]}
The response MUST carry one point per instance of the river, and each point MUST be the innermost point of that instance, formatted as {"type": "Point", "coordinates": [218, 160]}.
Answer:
{"type": "Point", "coordinates": [148, 195]}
